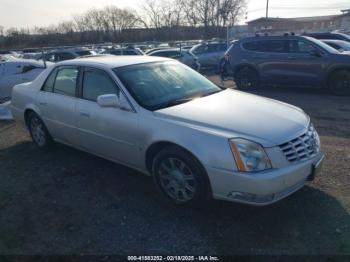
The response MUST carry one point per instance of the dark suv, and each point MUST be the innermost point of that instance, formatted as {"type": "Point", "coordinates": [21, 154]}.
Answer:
{"type": "Point", "coordinates": [287, 60]}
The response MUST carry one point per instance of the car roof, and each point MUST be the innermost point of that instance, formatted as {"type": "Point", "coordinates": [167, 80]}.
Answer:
{"type": "Point", "coordinates": [275, 37]}
{"type": "Point", "coordinates": [165, 50]}
{"type": "Point", "coordinates": [112, 61]}
{"type": "Point", "coordinates": [332, 40]}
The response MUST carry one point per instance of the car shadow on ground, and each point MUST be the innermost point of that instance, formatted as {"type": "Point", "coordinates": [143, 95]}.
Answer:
{"type": "Point", "coordinates": [69, 202]}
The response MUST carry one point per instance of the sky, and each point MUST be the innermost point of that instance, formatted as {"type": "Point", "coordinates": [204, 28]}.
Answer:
{"type": "Point", "coordinates": [30, 13]}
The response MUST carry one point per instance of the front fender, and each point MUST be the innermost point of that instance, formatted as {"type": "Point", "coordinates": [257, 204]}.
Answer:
{"type": "Point", "coordinates": [210, 149]}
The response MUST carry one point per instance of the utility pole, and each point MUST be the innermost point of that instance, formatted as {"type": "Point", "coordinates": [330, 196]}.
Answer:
{"type": "Point", "coordinates": [267, 9]}
{"type": "Point", "coordinates": [267, 14]}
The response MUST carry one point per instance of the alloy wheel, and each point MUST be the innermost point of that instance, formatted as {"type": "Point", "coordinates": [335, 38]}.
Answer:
{"type": "Point", "coordinates": [177, 179]}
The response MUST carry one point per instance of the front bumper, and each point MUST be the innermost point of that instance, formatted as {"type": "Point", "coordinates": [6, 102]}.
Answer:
{"type": "Point", "coordinates": [263, 188]}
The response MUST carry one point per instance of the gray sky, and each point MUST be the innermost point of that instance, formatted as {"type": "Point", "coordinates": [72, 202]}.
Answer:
{"type": "Point", "coordinates": [25, 13]}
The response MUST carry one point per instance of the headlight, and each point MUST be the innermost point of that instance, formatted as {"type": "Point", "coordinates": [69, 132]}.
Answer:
{"type": "Point", "coordinates": [249, 156]}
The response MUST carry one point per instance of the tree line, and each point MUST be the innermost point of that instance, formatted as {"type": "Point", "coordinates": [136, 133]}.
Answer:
{"type": "Point", "coordinates": [161, 18]}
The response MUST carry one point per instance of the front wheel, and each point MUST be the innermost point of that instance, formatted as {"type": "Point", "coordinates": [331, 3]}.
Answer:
{"type": "Point", "coordinates": [38, 131]}
{"type": "Point", "coordinates": [246, 79]}
{"type": "Point", "coordinates": [180, 177]}
{"type": "Point", "coordinates": [339, 83]}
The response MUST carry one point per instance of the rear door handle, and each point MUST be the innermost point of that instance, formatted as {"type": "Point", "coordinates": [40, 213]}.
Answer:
{"type": "Point", "coordinates": [43, 103]}
{"type": "Point", "coordinates": [84, 114]}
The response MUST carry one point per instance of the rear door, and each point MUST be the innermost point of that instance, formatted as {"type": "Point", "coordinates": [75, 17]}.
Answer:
{"type": "Point", "coordinates": [108, 132]}
{"type": "Point", "coordinates": [57, 102]}
{"type": "Point", "coordinates": [269, 56]}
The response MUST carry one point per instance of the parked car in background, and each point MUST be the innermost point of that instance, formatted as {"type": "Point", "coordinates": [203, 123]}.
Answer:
{"type": "Point", "coordinates": [124, 51]}
{"type": "Point", "coordinates": [15, 72]}
{"type": "Point", "coordinates": [183, 56]}
{"type": "Point", "coordinates": [340, 45]}
{"type": "Point", "coordinates": [7, 57]}
{"type": "Point", "coordinates": [31, 53]}
{"type": "Point", "coordinates": [160, 117]}
{"type": "Point", "coordinates": [66, 54]}
{"type": "Point", "coordinates": [334, 36]}
{"type": "Point", "coordinates": [287, 60]}
{"type": "Point", "coordinates": [209, 54]}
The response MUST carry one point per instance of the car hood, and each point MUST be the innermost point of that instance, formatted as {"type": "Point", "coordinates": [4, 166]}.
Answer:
{"type": "Point", "coordinates": [238, 114]}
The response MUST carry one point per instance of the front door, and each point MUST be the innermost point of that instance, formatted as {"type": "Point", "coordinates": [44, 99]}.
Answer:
{"type": "Point", "coordinates": [304, 64]}
{"type": "Point", "coordinates": [108, 132]}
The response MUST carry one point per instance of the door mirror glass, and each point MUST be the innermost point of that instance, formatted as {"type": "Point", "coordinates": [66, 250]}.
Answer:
{"type": "Point", "coordinates": [110, 100]}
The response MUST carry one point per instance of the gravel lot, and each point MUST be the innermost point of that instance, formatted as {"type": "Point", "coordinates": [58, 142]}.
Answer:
{"type": "Point", "coordinates": [69, 202]}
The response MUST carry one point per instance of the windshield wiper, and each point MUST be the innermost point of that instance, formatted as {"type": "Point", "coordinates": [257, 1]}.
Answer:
{"type": "Point", "coordinates": [185, 100]}
{"type": "Point", "coordinates": [210, 93]}
{"type": "Point", "coordinates": [180, 101]}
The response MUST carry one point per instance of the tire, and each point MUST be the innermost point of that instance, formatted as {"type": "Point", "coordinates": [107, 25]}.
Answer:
{"type": "Point", "coordinates": [246, 79]}
{"type": "Point", "coordinates": [180, 178]}
{"type": "Point", "coordinates": [38, 131]}
{"type": "Point", "coordinates": [339, 83]}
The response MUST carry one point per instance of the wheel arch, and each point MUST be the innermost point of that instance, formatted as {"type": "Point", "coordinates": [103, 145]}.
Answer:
{"type": "Point", "coordinates": [245, 65]}
{"type": "Point", "coordinates": [29, 110]}
{"type": "Point", "coordinates": [332, 70]}
{"type": "Point", "coordinates": [156, 147]}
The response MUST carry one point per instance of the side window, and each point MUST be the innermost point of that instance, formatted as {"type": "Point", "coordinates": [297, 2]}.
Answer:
{"type": "Point", "coordinates": [212, 48]}
{"type": "Point", "coordinates": [296, 46]}
{"type": "Point", "coordinates": [250, 46]}
{"type": "Point", "coordinates": [115, 52]}
{"type": "Point", "coordinates": [174, 54]}
{"type": "Point", "coordinates": [275, 46]}
{"type": "Point", "coordinates": [50, 81]}
{"type": "Point", "coordinates": [66, 81]}
{"type": "Point", "coordinates": [28, 68]}
{"type": "Point", "coordinates": [129, 52]}
{"type": "Point", "coordinates": [96, 83]}
{"type": "Point", "coordinates": [161, 54]}
{"type": "Point", "coordinates": [50, 57]}
{"type": "Point", "coordinates": [65, 56]}
{"type": "Point", "coordinates": [201, 49]}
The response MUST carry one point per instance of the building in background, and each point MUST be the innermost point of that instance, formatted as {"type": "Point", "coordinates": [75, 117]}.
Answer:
{"type": "Point", "coordinates": [297, 25]}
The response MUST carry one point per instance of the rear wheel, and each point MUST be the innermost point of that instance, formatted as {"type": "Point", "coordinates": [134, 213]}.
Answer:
{"type": "Point", "coordinates": [38, 131]}
{"type": "Point", "coordinates": [180, 177]}
{"type": "Point", "coordinates": [246, 79]}
{"type": "Point", "coordinates": [339, 83]}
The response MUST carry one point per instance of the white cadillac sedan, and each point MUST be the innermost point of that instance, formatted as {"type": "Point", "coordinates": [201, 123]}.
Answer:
{"type": "Point", "coordinates": [166, 120]}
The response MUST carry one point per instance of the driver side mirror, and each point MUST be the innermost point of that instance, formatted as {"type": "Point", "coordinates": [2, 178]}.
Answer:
{"type": "Point", "coordinates": [111, 100]}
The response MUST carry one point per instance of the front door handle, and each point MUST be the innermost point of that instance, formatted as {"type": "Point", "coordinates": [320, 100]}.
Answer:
{"type": "Point", "coordinates": [84, 114]}
{"type": "Point", "coordinates": [43, 103]}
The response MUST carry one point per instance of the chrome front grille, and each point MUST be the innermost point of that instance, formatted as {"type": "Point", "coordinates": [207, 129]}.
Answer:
{"type": "Point", "coordinates": [303, 147]}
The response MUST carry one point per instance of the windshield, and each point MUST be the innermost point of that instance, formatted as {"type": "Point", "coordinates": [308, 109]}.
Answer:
{"type": "Point", "coordinates": [344, 45]}
{"type": "Point", "coordinates": [324, 46]}
{"type": "Point", "coordinates": [164, 84]}
{"type": "Point", "coordinates": [83, 53]}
